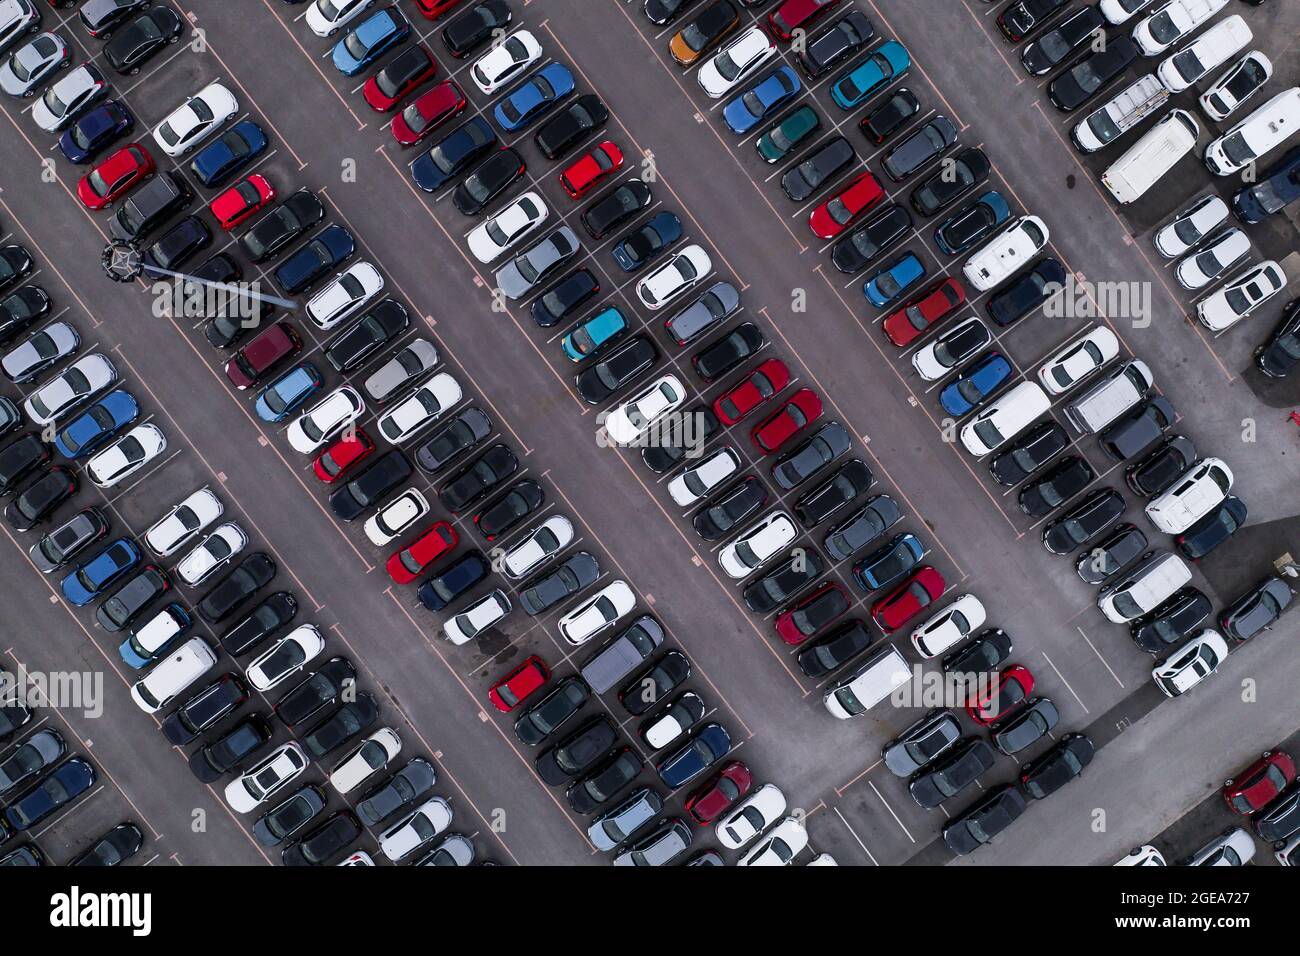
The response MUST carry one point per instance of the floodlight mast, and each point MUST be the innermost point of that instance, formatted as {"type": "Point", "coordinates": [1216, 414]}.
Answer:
{"type": "Point", "coordinates": [124, 262]}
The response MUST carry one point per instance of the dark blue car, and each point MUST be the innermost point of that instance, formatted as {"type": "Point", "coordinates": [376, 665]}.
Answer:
{"type": "Point", "coordinates": [652, 238]}
{"type": "Point", "coordinates": [96, 424]}
{"type": "Point", "coordinates": [452, 154]}
{"type": "Point", "coordinates": [85, 582]}
{"type": "Point", "coordinates": [533, 97]}
{"type": "Point", "coordinates": [84, 139]}
{"type": "Point", "coordinates": [1274, 191]}
{"type": "Point", "coordinates": [441, 589]}
{"type": "Point", "coordinates": [972, 387]}
{"type": "Point", "coordinates": [231, 151]}
{"type": "Point", "coordinates": [889, 563]}
{"type": "Point", "coordinates": [69, 780]}
{"type": "Point", "coordinates": [689, 762]}
{"type": "Point", "coordinates": [332, 246]}
{"type": "Point", "coordinates": [371, 39]}
{"type": "Point", "coordinates": [762, 99]}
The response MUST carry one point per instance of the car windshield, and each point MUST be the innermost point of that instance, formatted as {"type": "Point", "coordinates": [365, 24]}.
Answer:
{"type": "Point", "coordinates": [887, 285]}
{"type": "Point", "coordinates": [727, 67]}
{"type": "Point", "coordinates": [53, 103]}
{"type": "Point", "coordinates": [355, 45]}
{"type": "Point", "coordinates": [1087, 78]}
{"type": "Point", "coordinates": [1055, 47]}
{"type": "Point", "coordinates": [1163, 28]}
{"type": "Point", "coordinates": [1237, 150]}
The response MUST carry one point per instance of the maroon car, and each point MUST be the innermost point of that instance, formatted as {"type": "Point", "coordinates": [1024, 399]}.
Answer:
{"type": "Point", "coordinates": [262, 353]}
{"type": "Point", "coordinates": [719, 794]}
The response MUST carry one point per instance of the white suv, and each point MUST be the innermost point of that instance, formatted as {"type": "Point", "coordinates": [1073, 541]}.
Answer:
{"type": "Point", "coordinates": [506, 60]}
{"type": "Point", "coordinates": [543, 543]}
{"type": "Point", "coordinates": [286, 657]}
{"type": "Point", "coordinates": [1196, 493]}
{"type": "Point", "coordinates": [183, 522]}
{"type": "Point", "coordinates": [211, 553]}
{"type": "Point", "coordinates": [196, 119]}
{"type": "Point", "coordinates": [491, 239]}
{"type": "Point", "coordinates": [735, 62]}
{"type": "Point", "coordinates": [483, 613]}
{"type": "Point", "coordinates": [1079, 359]}
{"type": "Point", "coordinates": [674, 277]}
{"type": "Point", "coordinates": [1241, 296]}
{"type": "Point", "coordinates": [366, 759]}
{"type": "Point", "coordinates": [757, 546]}
{"type": "Point", "coordinates": [594, 614]}
{"type": "Point", "coordinates": [1006, 253]}
{"type": "Point", "coordinates": [631, 420]}
{"type": "Point", "coordinates": [322, 421]}
{"type": "Point", "coordinates": [751, 816]}
{"type": "Point", "coordinates": [415, 829]}
{"type": "Point", "coordinates": [420, 409]}
{"type": "Point", "coordinates": [347, 292]}
{"type": "Point", "coordinates": [1190, 226]}
{"type": "Point", "coordinates": [1006, 418]}
{"type": "Point", "coordinates": [1171, 21]}
{"type": "Point", "coordinates": [949, 627]}
{"type": "Point", "coordinates": [1211, 49]}
{"type": "Point", "coordinates": [256, 785]}
{"type": "Point", "coordinates": [326, 17]}
{"type": "Point", "coordinates": [1239, 83]}
{"type": "Point", "coordinates": [1190, 664]}
{"type": "Point", "coordinates": [397, 516]}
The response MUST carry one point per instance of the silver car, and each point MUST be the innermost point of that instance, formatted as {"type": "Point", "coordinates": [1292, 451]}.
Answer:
{"type": "Point", "coordinates": [32, 63]}
{"type": "Point", "coordinates": [17, 18]}
{"type": "Point", "coordinates": [67, 98]}
{"type": "Point", "coordinates": [454, 850]}
{"type": "Point", "coordinates": [1234, 847]}
{"type": "Point", "coordinates": [525, 271]}
{"type": "Point", "coordinates": [43, 349]}
{"type": "Point", "coordinates": [411, 362]}
{"type": "Point", "coordinates": [70, 388]}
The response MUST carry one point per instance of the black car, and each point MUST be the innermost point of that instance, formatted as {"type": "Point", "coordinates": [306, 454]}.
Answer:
{"type": "Point", "coordinates": [453, 581]}
{"type": "Point", "coordinates": [729, 509]}
{"type": "Point", "coordinates": [1084, 521]}
{"type": "Point", "coordinates": [661, 12]}
{"type": "Point", "coordinates": [868, 242]}
{"type": "Point", "coordinates": [980, 823]}
{"type": "Point", "coordinates": [64, 784]}
{"type": "Point", "coordinates": [204, 709]}
{"type": "Point", "coordinates": [984, 655]}
{"type": "Point", "coordinates": [969, 168]}
{"type": "Point", "coordinates": [505, 512]}
{"type": "Point", "coordinates": [1025, 16]}
{"type": "Point", "coordinates": [289, 816]}
{"type": "Point", "coordinates": [570, 124]}
{"type": "Point", "coordinates": [654, 683]}
{"type": "Point", "coordinates": [575, 753]}
{"type": "Point", "coordinates": [113, 848]}
{"type": "Point", "coordinates": [15, 263]}
{"type": "Point", "coordinates": [837, 42]}
{"type": "Point", "coordinates": [964, 228]}
{"type": "Point", "coordinates": [219, 269]}
{"type": "Point", "coordinates": [323, 844]}
{"type": "Point", "coordinates": [397, 792]}
{"type": "Point", "coordinates": [674, 443]}
{"type": "Point", "coordinates": [19, 458]}
{"type": "Point", "coordinates": [488, 180]}
{"type": "Point", "coordinates": [316, 692]}
{"type": "Point", "coordinates": [102, 17]}
{"type": "Point", "coordinates": [1256, 610]}
{"type": "Point", "coordinates": [776, 587]}
{"type": "Point", "coordinates": [1281, 818]}
{"type": "Point", "coordinates": [1138, 429]}
{"type": "Point", "coordinates": [951, 774]}
{"type": "Point", "coordinates": [620, 368]}
{"type": "Point", "coordinates": [1050, 50]}
{"type": "Point", "coordinates": [359, 341]}
{"type": "Point", "coordinates": [130, 598]}
{"type": "Point", "coordinates": [922, 743]}
{"type": "Point", "coordinates": [1042, 777]}
{"type": "Point", "coordinates": [550, 713]}
{"type": "Point", "coordinates": [850, 480]}
{"type": "Point", "coordinates": [864, 526]}
{"type": "Point", "coordinates": [177, 245]}
{"type": "Point", "coordinates": [13, 715]}
{"type": "Point", "coordinates": [1032, 721]}
{"type": "Point", "coordinates": [1082, 81]}
{"type": "Point", "coordinates": [231, 749]}
{"type": "Point", "coordinates": [1212, 530]}
{"type": "Point", "coordinates": [37, 500]}
{"type": "Point", "coordinates": [1280, 354]}
{"type": "Point", "coordinates": [452, 440]}
{"type": "Point", "coordinates": [33, 756]}
{"type": "Point", "coordinates": [469, 30]}
{"type": "Point", "coordinates": [545, 591]}
{"type": "Point", "coordinates": [382, 476]}
{"type": "Point", "coordinates": [814, 453]}
{"type": "Point", "coordinates": [10, 416]}
{"type": "Point", "coordinates": [615, 207]}
{"type": "Point", "coordinates": [1162, 467]}
{"type": "Point", "coordinates": [1122, 546]}
{"type": "Point", "coordinates": [142, 38]}
{"type": "Point", "coordinates": [149, 207]}
{"type": "Point", "coordinates": [264, 620]}
{"type": "Point", "coordinates": [1040, 282]}
{"type": "Point", "coordinates": [890, 116]}
{"type": "Point", "coordinates": [603, 783]}
{"type": "Point", "coordinates": [1167, 625]}
{"type": "Point", "coordinates": [738, 345]}
{"type": "Point", "coordinates": [478, 478]}
{"type": "Point", "coordinates": [835, 649]}
{"type": "Point", "coordinates": [341, 726]}
{"type": "Point", "coordinates": [1031, 452]}
{"type": "Point", "coordinates": [1059, 484]}
{"type": "Point", "coordinates": [564, 298]}
{"type": "Point", "coordinates": [448, 157]}
{"type": "Point", "coordinates": [921, 146]}
{"type": "Point", "coordinates": [274, 230]}
{"type": "Point", "coordinates": [236, 587]}
{"type": "Point", "coordinates": [20, 309]}
{"type": "Point", "coordinates": [816, 167]}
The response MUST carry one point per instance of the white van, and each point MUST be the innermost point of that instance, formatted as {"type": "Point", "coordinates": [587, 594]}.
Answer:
{"type": "Point", "coordinates": [1116, 393]}
{"type": "Point", "coordinates": [1152, 582]}
{"type": "Point", "coordinates": [1152, 156]}
{"type": "Point", "coordinates": [1005, 418]}
{"type": "Point", "coordinates": [1006, 253]}
{"type": "Point", "coordinates": [1212, 48]}
{"type": "Point", "coordinates": [868, 685]}
{"type": "Point", "coordinates": [1196, 493]}
{"type": "Point", "coordinates": [1120, 114]}
{"type": "Point", "coordinates": [1270, 125]}
{"type": "Point", "coordinates": [173, 674]}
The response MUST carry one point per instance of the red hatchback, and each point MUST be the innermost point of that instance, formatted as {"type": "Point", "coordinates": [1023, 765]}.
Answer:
{"type": "Point", "coordinates": [718, 795]}
{"type": "Point", "coordinates": [433, 9]}
{"type": "Point", "coordinates": [1011, 689]}
{"type": "Point", "coordinates": [342, 455]}
{"type": "Point", "coordinates": [510, 691]}
{"type": "Point", "coordinates": [602, 160]}
{"type": "Point", "coordinates": [810, 616]}
{"type": "Point", "coordinates": [778, 428]}
{"type": "Point", "coordinates": [116, 175]}
{"type": "Point", "coordinates": [830, 218]}
{"type": "Point", "coordinates": [1259, 783]}
{"type": "Point", "coordinates": [429, 111]}
{"type": "Point", "coordinates": [759, 385]}
{"type": "Point", "coordinates": [792, 14]}
{"type": "Point", "coordinates": [241, 200]}
{"type": "Point", "coordinates": [262, 353]}
{"type": "Point", "coordinates": [907, 322]}
{"type": "Point", "coordinates": [407, 565]}
{"type": "Point", "coordinates": [908, 599]}
{"type": "Point", "coordinates": [400, 76]}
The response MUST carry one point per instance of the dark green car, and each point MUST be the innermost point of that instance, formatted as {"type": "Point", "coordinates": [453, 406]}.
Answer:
{"type": "Point", "coordinates": [776, 144]}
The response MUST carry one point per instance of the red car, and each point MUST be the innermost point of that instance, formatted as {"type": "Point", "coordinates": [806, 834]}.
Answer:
{"type": "Point", "coordinates": [342, 455]}
{"type": "Point", "coordinates": [116, 175]}
{"type": "Point", "coordinates": [263, 351]}
{"type": "Point", "coordinates": [907, 322]}
{"type": "Point", "coordinates": [907, 600]}
{"type": "Point", "coordinates": [830, 218]}
{"type": "Point", "coordinates": [241, 200]}
{"type": "Point", "coordinates": [1259, 783]}
{"type": "Point", "coordinates": [760, 385]}
{"type": "Point", "coordinates": [813, 614]}
{"type": "Point", "coordinates": [792, 14]}
{"type": "Point", "coordinates": [429, 111]}
{"type": "Point", "coordinates": [1011, 689]}
{"type": "Point", "coordinates": [400, 75]}
{"type": "Point", "coordinates": [778, 428]}
{"type": "Point", "coordinates": [719, 794]}
{"type": "Point", "coordinates": [406, 565]}
{"type": "Point", "coordinates": [602, 160]}
{"type": "Point", "coordinates": [510, 691]}
{"type": "Point", "coordinates": [433, 9]}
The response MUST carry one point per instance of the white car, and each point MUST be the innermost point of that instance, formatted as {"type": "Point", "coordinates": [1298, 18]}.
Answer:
{"type": "Point", "coordinates": [211, 553]}
{"type": "Point", "coordinates": [196, 119]}
{"type": "Point", "coordinates": [1151, 582]}
{"type": "Point", "coordinates": [1235, 847]}
{"type": "Point", "coordinates": [1190, 226]}
{"type": "Point", "coordinates": [76, 383]}
{"type": "Point", "coordinates": [1208, 51]}
{"type": "Point", "coordinates": [365, 760]}
{"type": "Point", "coordinates": [543, 543]}
{"type": "Point", "coordinates": [397, 516]}
{"type": "Point", "coordinates": [1119, 11]}
{"type": "Point", "coordinates": [1261, 131]}
{"type": "Point", "coordinates": [751, 816]}
{"type": "Point", "coordinates": [359, 858]}
{"type": "Point", "coordinates": [419, 356]}
{"type": "Point", "coordinates": [949, 627]}
{"type": "Point", "coordinates": [67, 98]}
{"type": "Point", "coordinates": [286, 657]}
{"type": "Point", "coordinates": [322, 421]}
{"type": "Point", "coordinates": [1285, 852]}
{"type": "Point", "coordinates": [1006, 253]}
{"type": "Point", "coordinates": [757, 546]}
{"type": "Point", "coordinates": [1168, 23]}
{"type": "Point", "coordinates": [183, 522]}
{"type": "Point", "coordinates": [631, 420]}
{"type": "Point", "coordinates": [1145, 855]}
{"type": "Point", "coordinates": [670, 725]}
{"type": "Point", "coordinates": [1224, 251]}
{"type": "Point", "coordinates": [697, 482]}
{"type": "Point", "coordinates": [326, 17]}
{"type": "Point", "coordinates": [951, 348]}
{"type": "Point", "coordinates": [1190, 664]}
{"type": "Point", "coordinates": [141, 445]}
{"type": "Point", "coordinates": [1239, 83]}
{"type": "Point", "coordinates": [17, 19]}
{"type": "Point", "coordinates": [778, 846]}
{"type": "Point", "coordinates": [415, 829]}
{"type": "Point", "coordinates": [505, 61]}
{"type": "Point", "coordinates": [1197, 492]}
{"type": "Point", "coordinates": [674, 277]}
{"type": "Point", "coordinates": [261, 781]}
{"type": "Point", "coordinates": [1241, 296]}
{"type": "Point", "coordinates": [735, 62]}
{"type": "Point", "coordinates": [822, 859]}
{"type": "Point", "coordinates": [482, 614]}
{"type": "Point", "coordinates": [1006, 418]}
{"type": "Point", "coordinates": [1079, 359]}
{"type": "Point", "coordinates": [491, 239]}
{"type": "Point", "coordinates": [593, 614]}
{"type": "Point", "coordinates": [420, 409]}
{"type": "Point", "coordinates": [347, 292]}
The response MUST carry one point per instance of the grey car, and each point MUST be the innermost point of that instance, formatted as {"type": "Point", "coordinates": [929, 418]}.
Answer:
{"type": "Point", "coordinates": [919, 148]}
{"type": "Point", "coordinates": [527, 270]}
{"type": "Point", "coordinates": [920, 744]}
{"type": "Point", "coordinates": [51, 344]}
{"type": "Point", "coordinates": [31, 757]}
{"type": "Point", "coordinates": [614, 826]}
{"type": "Point", "coordinates": [65, 100]}
{"type": "Point", "coordinates": [659, 848]}
{"type": "Point", "coordinates": [17, 18]}
{"type": "Point", "coordinates": [417, 358]}
{"type": "Point", "coordinates": [579, 571]}
{"type": "Point", "coordinates": [454, 850]}
{"type": "Point", "coordinates": [29, 65]}
{"type": "Point", "coordinates": [715, 306]}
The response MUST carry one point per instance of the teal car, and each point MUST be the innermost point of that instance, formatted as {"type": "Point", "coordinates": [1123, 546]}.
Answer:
{"type": "Point", "coordinates": [883, 65]}
{"type": "Point", "coordinates": [599, 330]}
{"type": "Point", "coordinates": [782, 137]}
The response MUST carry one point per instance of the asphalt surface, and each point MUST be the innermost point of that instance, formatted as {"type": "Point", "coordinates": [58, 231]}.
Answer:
{"type": "Point", "coordinates": [325, 137]}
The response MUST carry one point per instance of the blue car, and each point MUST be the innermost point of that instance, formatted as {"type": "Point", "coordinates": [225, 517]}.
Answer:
{"type": "Point", "coordinates": [968, 225]}
{"type": "Point", "coordinates": [452, 154]}
{"type": "Point", "coordinates": [69, 780]}
{"type": "Point", "coordinates": [601, 329]}
{"type": "Point", "coordinates": [749, 108]}
{"type": "Point", "coordinates": [883, 65]}
{"type": "Point", "coordinates": [83, 140]}
{"type": "Point", "coordinates": [234, 149]}
{"type": "Point", "coordinates": [288, 392]}
{"type": "Point", "coordinates": [97, 424]}
{"type": "Point", "coordinates": [369, 40]}
{"type": "Point", "coordinates": [706, 748]}
{"type": "Point", "coordinates": [443, 588]}
{"type": "Point", "coordinates": [142, 647]}
{"type": "Point", "coordinates": [649, 239]}
{"type": "Point", "coordinates": [968, 390]}
{"type": "Point", "coordinates": [331, 247]}
{"type": "Point", "coordinates": [893, 280]}
{"type": "Point", "coordinates": [888, 564]}
{"type": "Point", "coordinates": [533, 97]}
{"type": "Point", "coordinates": [89, 579]}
